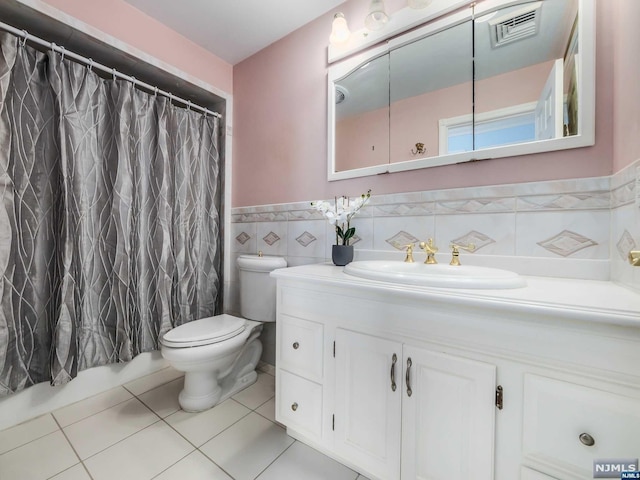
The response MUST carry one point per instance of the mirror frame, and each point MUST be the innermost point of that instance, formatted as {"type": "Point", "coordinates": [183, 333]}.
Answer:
{"type": "Point", "coordinates": [586, 99]}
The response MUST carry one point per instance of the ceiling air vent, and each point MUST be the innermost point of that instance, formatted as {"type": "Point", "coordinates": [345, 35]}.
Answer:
{"type": "Point", "coordinates": [521, 23]}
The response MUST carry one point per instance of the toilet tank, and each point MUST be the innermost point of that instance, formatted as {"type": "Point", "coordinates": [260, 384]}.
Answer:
{"type": "Point", "coordinates": [257, 288]}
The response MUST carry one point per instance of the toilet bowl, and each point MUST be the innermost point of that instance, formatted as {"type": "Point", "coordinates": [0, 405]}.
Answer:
{"type": "Point", "coordinates": [219, 354]}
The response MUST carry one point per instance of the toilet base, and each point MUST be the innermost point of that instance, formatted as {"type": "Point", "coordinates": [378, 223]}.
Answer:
{"type": "Point", "coordinates": [205, 389]}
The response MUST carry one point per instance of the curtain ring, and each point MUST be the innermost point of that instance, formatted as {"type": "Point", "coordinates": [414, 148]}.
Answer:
{"type": "Point", "coordinates": [155, 91]}
{"type": "Point", "coordinates": [23, 40]}
{"type": "Point", "coordinates": [113, 72]}
{"type": "Point", "coordinates": [62, 52]}
{"type": "Point", "coordinates": [53, 47]}
{"type": "Point", "coordinates": [90, 64]}
{"type": "Point", "coordinates": [189, 105]}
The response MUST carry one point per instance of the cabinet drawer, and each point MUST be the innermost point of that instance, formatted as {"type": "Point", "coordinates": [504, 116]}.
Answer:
{"type": "Point", "coordinates": [301, 344]}
{"type": "Point", "coordinates": [299, 403]}
{"type": "Point", "coordinates": [561, 417]}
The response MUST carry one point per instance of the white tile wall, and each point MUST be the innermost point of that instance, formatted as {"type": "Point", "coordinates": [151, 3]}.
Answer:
{"type": "Point", "coordinates": [573, 228]}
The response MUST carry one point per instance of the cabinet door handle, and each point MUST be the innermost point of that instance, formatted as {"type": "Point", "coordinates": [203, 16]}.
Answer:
{"type": "Point", "coordinates": [296, 345]}
{"type": "Point", "coordinates": [294, 407]}
{"type": "Point", "coordinates": [394, 359]}
{"type": "Point", "coordinates": [408, 378]}
{"type": "Point", "coordinates": [587, 439]}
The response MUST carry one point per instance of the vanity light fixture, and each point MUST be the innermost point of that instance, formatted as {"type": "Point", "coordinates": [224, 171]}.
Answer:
{"type": "Point", "coordinates": [339, 30]}
{"type": "Point", "coordinates": [419, 4]}
{"type": "Point", "coordinates": [377, 17]}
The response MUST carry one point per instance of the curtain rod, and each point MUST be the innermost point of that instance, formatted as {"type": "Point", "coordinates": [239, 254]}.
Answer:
{"type": "Point", "coordinates": [26, 36]}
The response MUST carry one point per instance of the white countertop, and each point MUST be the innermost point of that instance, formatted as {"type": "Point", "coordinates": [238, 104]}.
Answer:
{"type": "Point", "coordinates": [588, 300]}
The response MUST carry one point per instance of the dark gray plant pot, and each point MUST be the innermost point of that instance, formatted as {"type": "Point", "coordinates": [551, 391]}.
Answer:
{"type": "Point", "coordinates": [341, 254]}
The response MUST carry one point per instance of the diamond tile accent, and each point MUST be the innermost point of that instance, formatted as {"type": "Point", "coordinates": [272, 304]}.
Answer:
{"type": "Point", "coordinates": [477, 205]}
{"type": "Point", "coordinates": [566, 243]}
{"type": "Point", "coordinates": [625, 244]}
{"type": "Point", "coordinates": [306, 239]}
{"type": "Point", "coordinates": [271, 238]}
{"type": "Point", "coordinates": [243, 238]}
{"type": "Point", "coordinates": [401, 239]}
{"type": "Point", "coordinates": [568, 201]}
{"type": "Point", "coordinates": [477, 238]}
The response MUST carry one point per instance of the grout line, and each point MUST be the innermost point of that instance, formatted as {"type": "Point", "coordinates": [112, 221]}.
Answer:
{"type": "Point", "coordinates": [94, 413]}
{"type": "Point", "coordinates": [119, 441]}
{"type": "Point", "coordinates": [208, 440]}
{"type": "Point", "coordinates": [33, 439]}
{"type": "Point", "coordinates": [274, 460]}
{"type": "Point", "coordinates": [68, 440]}
{"type": "Point", "coordinates": [175, 463]}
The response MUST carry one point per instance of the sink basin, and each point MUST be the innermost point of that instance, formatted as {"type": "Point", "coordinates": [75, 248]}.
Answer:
{"type": "Point", "coordinates": [462, 276]}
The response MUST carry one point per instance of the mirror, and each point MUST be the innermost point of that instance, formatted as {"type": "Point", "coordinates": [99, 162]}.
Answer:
{"type": "Point", "coordinates": [510, 78]}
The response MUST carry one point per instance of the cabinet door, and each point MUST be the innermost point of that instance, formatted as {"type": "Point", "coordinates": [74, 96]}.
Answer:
{"type": "Point", "coordinates": [449, 418]}
{"type": "Point", "coordinates": [367, 413]}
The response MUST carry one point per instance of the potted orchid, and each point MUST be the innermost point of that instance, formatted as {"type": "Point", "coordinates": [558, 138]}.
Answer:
{"type": "Point", "coordinates": [340, 214]}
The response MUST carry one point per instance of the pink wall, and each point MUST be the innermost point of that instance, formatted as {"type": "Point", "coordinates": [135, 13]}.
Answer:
{"type": "Point", "coordinates": [126, 23]}
{"type": "Point", "coordinates": [626, 96]}
{"type": "Point", "coordinates": [280, 139]}
{"type": "Point", "coordinates": [363, 140]}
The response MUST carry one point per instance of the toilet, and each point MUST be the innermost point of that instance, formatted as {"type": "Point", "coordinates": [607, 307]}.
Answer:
{"type": "Point", "coordinates": [219, 354]}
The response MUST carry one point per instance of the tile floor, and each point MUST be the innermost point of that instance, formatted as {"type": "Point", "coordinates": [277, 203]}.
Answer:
{"type": "Point", "coordinates": [138, 432]}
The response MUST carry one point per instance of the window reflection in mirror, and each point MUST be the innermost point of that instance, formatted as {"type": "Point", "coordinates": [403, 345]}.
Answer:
{"type": "Point", "coordinates": [362, 116]}
{"type": "Point", "coordinates": [431, 79]}
{"type": "Point", "coordinates": [525, 87]}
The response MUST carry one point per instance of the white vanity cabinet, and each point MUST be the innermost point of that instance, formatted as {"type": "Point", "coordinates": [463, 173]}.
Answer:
{"type": "Point", "coordinates": [568, 374]}
{"type": "Point", "coordinates": [408, 412]}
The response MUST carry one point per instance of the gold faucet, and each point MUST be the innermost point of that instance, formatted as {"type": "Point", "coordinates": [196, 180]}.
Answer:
{"type": "Point", "coordinates": [455, 253]}
{"type": "Point", "coordinates": [409, 257]}
{"type": "Point", "coordinates": [431, 250]}
{"type": "Point", "coordinates": [634, 258]}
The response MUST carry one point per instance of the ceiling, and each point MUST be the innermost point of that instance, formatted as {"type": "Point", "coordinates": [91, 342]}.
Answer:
{"type": "Point", "coordinates": [235, 29]}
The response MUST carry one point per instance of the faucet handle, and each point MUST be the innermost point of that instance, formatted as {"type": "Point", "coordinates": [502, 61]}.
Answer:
{"type": "Point", "coordinates": [455, 253]}
{"type": "Point", "coordinates": [409, 257]}
{"type": "Point", "coordinates": [430, 248]}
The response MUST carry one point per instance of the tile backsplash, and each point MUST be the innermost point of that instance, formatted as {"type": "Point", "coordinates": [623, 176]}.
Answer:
{"type": "Point", "coordinates": [579, 228]}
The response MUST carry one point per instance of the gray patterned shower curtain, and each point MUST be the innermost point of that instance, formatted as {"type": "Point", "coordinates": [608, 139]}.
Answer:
{"type": "Point", "coordinates": [109, 218]}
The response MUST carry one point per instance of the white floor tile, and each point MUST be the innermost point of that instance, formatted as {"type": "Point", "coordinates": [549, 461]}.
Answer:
{"type": "Point", "coordinates": [38, 460]}
{"type": "Point", "coordinates": [90, 406]}
{"type": "Point", "coordinates": [163, 400]}
{"type": "Point", "coordinates": [200, 427]}
{"type": "Point", "coordinates": [301, 461]}
{"type": "Point", "coordinates": [95, 433]}
{"type": "Point", "coordinates": [268, 409]}
{"type": "Point", "coordinates": [194, 467]}
{"type": "Point", "coordinates": [74, 473]}
{"type": "Point", "coordinates": [247, 447]}
{"type": "Point", "coordinates": [26, 432]}
{"type": "Point", "coordinates": [258, 393]}
{"type": "Point", "coordinates": [144, 384]}
{"type": "Point", "coordinates": [141, 456]}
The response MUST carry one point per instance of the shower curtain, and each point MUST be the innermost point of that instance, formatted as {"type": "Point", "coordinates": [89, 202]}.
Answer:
{"type": "Point", "coordinates": [109, 217]}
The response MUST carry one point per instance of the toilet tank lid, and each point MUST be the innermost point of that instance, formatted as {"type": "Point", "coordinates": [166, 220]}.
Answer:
{"type": "Point", "coordinates": [257, 263]}
{"type": "Point", "coordinates": [203, 331]}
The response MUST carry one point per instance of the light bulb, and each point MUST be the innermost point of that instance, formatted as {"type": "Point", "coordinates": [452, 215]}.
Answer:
{"type": "Point", "coordinates": [339, 30]}
{"type": "Point", "coordinates": [377, 17]}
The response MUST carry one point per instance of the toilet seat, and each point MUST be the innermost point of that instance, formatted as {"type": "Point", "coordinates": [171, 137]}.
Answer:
{"type": "Point", "coordinates": [205, 331]}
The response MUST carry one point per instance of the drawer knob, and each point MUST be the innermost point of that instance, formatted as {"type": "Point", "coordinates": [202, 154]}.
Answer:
{"type": "Point", "coordinates": [294, 407]}
{"type": "Point", "coordinates": [587, 439]}
{"type": "Point", "coordinates": [296, 345]}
